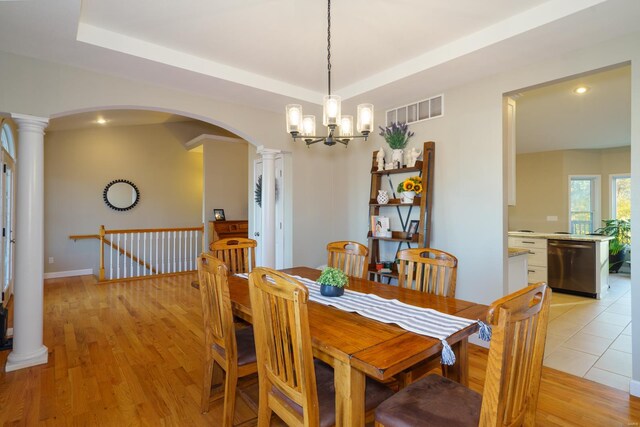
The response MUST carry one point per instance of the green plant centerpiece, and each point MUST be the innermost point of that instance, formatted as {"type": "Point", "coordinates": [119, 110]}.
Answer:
{"type": "Point", "coordinates": [397, 135]}
{"type": "Point", "coordinates": [332, 282]}
{"type": "Point", "coordinates": [620, 230]}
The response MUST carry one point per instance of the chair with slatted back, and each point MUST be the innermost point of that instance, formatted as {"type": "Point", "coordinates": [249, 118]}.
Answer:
{"type": "Point", "coordinates": [294, 386]}
{"type": "Point", "coordinates": [237, 253]}
{"type": "Point", "coordinates": [512, 384]}
{"type": "Point", "coordinates": [350, 257]}
{"type": "Point", "coordinates": [226, 348]}
{"type": "Point", "coordinates": [428, 270]}
{"type": "Point", "coordinates": [432, 271]}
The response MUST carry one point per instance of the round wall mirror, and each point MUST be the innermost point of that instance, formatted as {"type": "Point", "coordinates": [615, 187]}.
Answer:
{"type": "Point", "coordinates": [121, 195]}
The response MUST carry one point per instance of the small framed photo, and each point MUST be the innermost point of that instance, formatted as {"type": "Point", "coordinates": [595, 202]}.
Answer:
{"type": "Point", "coordinates": [218, 214]}
{"type": "Point", "coordinates": [413, 228]}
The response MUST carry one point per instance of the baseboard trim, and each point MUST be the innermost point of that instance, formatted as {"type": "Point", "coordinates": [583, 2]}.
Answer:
{"type": "Point", "coordinates": [69, 273]}
{"type": "Point", "coordinates": [634, 388]}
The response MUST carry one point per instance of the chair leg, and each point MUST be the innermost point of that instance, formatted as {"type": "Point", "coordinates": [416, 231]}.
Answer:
{"type": "Point", "coordinates": [264, 411]}
{"type": "Point", "coordinates": [206, 386]}
{"type": "Point", "coordinates": [231, 383]}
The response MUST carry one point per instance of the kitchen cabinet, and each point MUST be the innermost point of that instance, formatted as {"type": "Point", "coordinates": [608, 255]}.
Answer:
{"type": "Point", "coordinates": [537, 258]}
{"type": "Point", "coordinates": [518, 275]}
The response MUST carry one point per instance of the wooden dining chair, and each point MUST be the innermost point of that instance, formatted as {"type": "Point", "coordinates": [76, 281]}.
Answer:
{"type": "Point", "coordinates": [514, 369]}
{"type": "Point", "coordinates": [432, 271]}
{"type": "Point", "coordinates": [428, 270]}
{"type": "Point", "coordinates": [350, 257]}
{"type": "Point", "coordinates": [228, 350]}
{"type": "Point", "coordinates": [237, 253]}
{"type": "Point", "coordinates": [299, 389]}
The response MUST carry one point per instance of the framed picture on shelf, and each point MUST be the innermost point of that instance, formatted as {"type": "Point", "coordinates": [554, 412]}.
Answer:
{"type": "Point", "coordinates": [380, 226]}
{"type": "Point", "coordinates": [413, 228]}
{"type": "Point", "coordinates": [218, 215]}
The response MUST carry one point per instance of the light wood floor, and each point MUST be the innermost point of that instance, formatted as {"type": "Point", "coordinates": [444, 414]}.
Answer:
{"type": "Point", "coordinates": [130, 354]}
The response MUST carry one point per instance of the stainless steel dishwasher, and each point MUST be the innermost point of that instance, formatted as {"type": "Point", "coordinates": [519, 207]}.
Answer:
{"type": "Point", "coordinates": [572, 266]}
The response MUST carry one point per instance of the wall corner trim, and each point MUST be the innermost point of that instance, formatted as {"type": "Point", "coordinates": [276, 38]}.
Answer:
{"type": "Point", "coordinates": [634, 388]}
{"type": "Point", "coordinates": [68, 273]}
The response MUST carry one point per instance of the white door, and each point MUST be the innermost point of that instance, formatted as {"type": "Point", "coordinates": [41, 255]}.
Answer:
{"type": "Point", "coordinates": [280, 213]}
{"type": "Point", "coordinates": [257, 211]}
{"type": "Point", "coordinates": [8, 225]}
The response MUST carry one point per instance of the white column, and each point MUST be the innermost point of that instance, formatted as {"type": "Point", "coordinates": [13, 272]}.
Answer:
{"type": "Point", "coordinates": [268, 206]}
{"type": "Point", "coordinates": [28, 347]}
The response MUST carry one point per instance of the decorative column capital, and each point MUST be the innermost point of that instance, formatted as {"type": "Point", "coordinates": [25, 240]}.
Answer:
{"type": "Point", "coordinates": [268, 153]}
{"type": "Point", "coordinates": [30, 123]}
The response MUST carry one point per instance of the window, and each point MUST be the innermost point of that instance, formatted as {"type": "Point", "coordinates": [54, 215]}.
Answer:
{"type": "Point", "coordinates": [584, 196]}
{"type": "Point", "coordinates": [620, 196]}
{"type": "Point", "coordinates": [6, 135]}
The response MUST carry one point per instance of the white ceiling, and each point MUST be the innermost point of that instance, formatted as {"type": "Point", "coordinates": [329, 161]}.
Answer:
{"type": "Point", "coordinates": [113, 118]}
{"type": "Point", "coordinates": [266, 53]}
{"type": "Point", "coordinates": [553, 117]}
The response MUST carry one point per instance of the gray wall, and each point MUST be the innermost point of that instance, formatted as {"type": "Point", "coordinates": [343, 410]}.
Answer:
{"type": "Point", "coordinates": [80, 163]}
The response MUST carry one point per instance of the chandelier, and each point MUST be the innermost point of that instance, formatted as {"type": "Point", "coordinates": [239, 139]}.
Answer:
{"type": "Point", "coordinates": [339, 127]}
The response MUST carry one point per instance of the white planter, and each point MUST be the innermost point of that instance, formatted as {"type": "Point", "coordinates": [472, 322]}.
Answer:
{"type": "Point", "coordinates": [408, 196]}
{"type": "Point", "coordinates": [397, 157]}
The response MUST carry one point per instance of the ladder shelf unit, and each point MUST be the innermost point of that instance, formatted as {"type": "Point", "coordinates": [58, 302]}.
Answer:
{"type": "Point", "coordinates": [425, 170]}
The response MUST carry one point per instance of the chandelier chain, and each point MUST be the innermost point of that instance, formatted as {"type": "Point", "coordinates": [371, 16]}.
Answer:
{"type": "Point", "coordinates": [329, 45]}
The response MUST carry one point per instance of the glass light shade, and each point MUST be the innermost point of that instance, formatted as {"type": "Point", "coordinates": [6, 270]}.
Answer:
{"type": "Point", "coordinates": [346, 126]}
{"type": "Point", "coordinates": [308, 125]}
{"type": "Point", "coordinates": [331, 110]}
{"type": "Point", "coordinates": [365, 118]}
{"type": "Point", "coordinates": [294, 117]}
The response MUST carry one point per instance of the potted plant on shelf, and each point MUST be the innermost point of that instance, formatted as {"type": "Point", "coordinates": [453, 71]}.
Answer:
{"type": "Point", "coordinates": [332, 282]}
{"type": "Point", "coordinates": [409, 188]}
{"type": "Point", "coordinates": [620, 230]}
{"type": "Point", "coordinates": [397, 135]}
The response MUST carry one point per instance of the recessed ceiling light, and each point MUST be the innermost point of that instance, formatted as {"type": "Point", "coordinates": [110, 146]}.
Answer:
{"type": "Point", "coordinates": [101, 121]}
{"type": "Point", "coordinates": [581, 90]}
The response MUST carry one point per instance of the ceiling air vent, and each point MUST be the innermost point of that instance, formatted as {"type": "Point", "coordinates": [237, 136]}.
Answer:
{"type": "Point", "coordinates": [418, 111]}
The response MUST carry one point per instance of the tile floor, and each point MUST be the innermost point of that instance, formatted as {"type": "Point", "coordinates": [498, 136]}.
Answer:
{"type": "Point", "coordinates": [592, 338]}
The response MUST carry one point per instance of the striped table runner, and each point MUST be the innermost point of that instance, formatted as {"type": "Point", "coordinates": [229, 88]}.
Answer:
{"type": "Point", "coordinates": [423, 321]}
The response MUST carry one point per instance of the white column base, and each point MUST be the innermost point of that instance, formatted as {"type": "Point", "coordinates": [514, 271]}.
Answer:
{"type": "Point", "coordinates": [634, 388]}
{"type": "Point", "coordinates": [21, 361]}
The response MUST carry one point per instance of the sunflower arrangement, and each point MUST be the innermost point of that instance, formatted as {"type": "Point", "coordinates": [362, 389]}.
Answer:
{"type": "Point", "coordinates": [413, 183]}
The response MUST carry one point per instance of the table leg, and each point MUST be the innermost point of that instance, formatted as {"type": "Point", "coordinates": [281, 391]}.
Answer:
{"type": "Point", "coordinates": [459, 372]}
{"type": "Point", "coordinates": [350, 389]}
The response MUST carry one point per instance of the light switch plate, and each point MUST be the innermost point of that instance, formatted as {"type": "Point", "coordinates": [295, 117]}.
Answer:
{"type": "Point", "coordinates": [552, 218]}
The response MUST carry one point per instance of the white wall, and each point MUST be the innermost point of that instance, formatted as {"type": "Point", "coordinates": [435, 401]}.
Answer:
{"type": "Point", "coordinates": [80, 163]}
{"type": "Point", "coordinates": [470, 215]}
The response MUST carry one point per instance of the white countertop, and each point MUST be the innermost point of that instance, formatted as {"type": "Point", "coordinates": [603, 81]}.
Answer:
{"type": "Point", "coordinates": [583, 237]}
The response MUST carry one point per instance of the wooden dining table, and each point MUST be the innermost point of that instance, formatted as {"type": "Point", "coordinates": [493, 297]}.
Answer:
{"type": "Point", "coordinates": [358, 347]}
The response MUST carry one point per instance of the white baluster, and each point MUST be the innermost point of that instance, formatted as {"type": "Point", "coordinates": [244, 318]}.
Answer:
{"type": "Point", "coordinates": [191, 250]}
{"type": "Point", "coordinates": [124, 256]}
{"type": "Point", "coordinates": [144, 251]}
{"type": "Point", "coordinates": [138, 255]}
{"type": "Point", "coordinates": [157, 266]}
{"type": "Point", "coordinates": [111, 259]}
{"type": "Point", "coordinates": [131, 258]}
{"type": "Point", "coordinates": [118, 257]}
{"type": "Point", "coordinates": [163, 233]}
{"type": "Point", "coordinates": [174, 251]}
{"type": "Point", "coordinates": [179, 250]}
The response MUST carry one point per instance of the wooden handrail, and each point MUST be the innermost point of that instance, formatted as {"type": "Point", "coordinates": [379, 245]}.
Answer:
{"type": "Point", "coordinates": [84, 236]}
{"type": "Point", "coordinates": [153, 230]}
{"type": "Point", "coordinates": [147, 265]}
